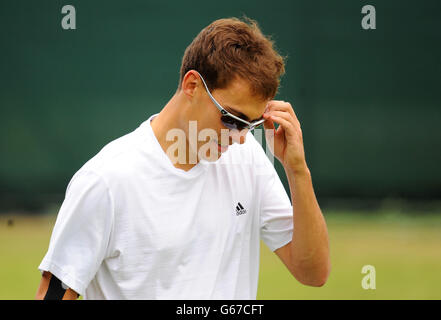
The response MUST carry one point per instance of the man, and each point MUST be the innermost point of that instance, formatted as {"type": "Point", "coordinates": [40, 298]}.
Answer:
{"type": "Point", "coordinates": [176, 209]}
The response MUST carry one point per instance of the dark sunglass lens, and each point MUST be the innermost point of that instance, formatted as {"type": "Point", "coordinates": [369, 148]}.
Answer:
{"type": "Point", "coordinates": [232, 123]}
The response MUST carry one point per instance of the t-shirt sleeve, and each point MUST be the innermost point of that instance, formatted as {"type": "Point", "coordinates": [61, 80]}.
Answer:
{"type": "Point", "coordinates": [81, 233]}
{"type": "Point", "coordinates": [276, 211]}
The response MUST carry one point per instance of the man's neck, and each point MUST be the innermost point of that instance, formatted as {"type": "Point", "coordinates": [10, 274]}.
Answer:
{"type": "Point", "coordinates": [172, 117]}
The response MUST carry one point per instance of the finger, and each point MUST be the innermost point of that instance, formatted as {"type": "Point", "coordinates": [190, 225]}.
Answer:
{"type": "Point", "coordinates": [273, 103]}
{"type": "Point", "coordinates": [290, 116]}
{"type": "Point", "coordinates": [284, 106]}
{"type": "Point", "coordinates": [268, 124]}
{"type": "Point", "coordinates": [286, 125]}
{"type": "Point", "coordinates": [296, 130]}
{"type": "Point", "coordinates": [285, 115]}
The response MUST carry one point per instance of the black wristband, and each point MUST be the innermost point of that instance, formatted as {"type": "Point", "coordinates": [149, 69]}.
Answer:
{"type": "Point", "coordinates": [55, 290]}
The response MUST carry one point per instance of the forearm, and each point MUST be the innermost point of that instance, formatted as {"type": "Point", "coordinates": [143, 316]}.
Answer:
{"type": "Point", "coordinates": [310, 242]}
{"type": "Point", "coordinates": [47, 292]}
{"type": "Point", "coordinates": [307, 255]}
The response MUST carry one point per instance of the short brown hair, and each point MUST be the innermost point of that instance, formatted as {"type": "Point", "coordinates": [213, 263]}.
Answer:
{"type": "Point", "coordinates": [230, 47]}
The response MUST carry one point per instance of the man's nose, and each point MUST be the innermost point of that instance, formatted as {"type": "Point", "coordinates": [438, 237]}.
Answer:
{"type": "Point", "coordinates": [237, 136]}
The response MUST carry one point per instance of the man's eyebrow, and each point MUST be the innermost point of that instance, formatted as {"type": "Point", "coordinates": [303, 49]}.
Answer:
{"type": "Point", "coordinates": [241, 115]}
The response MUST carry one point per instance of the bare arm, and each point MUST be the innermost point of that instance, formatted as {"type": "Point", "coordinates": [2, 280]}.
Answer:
{"type": "Point", "coordinates": [307, 255]}
{"type": "Point", "coordinates": [69, 294]}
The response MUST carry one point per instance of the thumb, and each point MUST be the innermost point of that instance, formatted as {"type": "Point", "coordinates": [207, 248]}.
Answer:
{"type": "Point", "coordinates": [270, 130]}
{"type": "Point", "coordinates": [268, 124]}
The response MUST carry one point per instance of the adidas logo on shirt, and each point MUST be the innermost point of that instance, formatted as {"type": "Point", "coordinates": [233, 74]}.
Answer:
{"type": "Point", "coordinates": [240, 209]}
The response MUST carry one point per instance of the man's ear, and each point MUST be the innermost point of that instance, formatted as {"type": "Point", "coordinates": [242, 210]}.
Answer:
{"type": "Point", "coordinates": [190, 83]}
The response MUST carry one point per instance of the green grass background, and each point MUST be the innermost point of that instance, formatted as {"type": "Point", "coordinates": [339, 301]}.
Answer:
{"type": "Point", "coordinates": [404, 249]}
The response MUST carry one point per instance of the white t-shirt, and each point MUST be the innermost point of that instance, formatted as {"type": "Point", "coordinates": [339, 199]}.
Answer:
{"type": "Point", "coordinates": [133, 226]}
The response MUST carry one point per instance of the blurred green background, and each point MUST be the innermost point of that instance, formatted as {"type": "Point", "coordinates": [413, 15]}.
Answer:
{"type": "Point", "coordinates": [405, 251]}
{"type": "Point", "coordinates": [368, 102]}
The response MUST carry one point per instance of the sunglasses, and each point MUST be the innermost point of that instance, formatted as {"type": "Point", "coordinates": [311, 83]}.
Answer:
{"type": "Point", "coordinates": [228, 119]}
